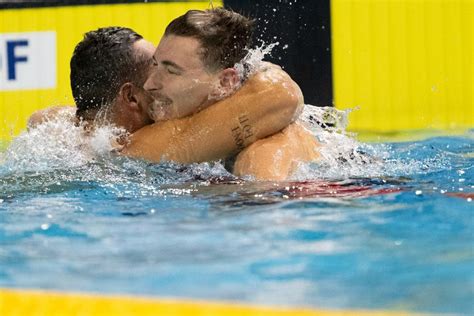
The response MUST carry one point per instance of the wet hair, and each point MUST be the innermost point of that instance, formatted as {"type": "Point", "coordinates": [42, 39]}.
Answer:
{"type": "Point", "coordinates": [224, 35]}
{"type": "Point", "coordinates": [101, 63]}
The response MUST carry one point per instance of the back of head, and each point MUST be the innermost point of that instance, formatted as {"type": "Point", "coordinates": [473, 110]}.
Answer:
{"type": "Point", "coordinates": [101, 63]}
{"type": "Point", "coordinates": [224, 35]}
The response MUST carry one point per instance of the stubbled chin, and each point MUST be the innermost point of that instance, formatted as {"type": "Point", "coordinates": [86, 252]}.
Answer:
{"type": "Point", "coordinates": [160, 111]}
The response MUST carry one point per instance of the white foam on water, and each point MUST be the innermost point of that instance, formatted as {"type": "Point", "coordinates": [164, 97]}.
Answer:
{"type": "Point", "coordinates": [58, 153]}
{"type": "Point", "coordinates": [343, 156]}
{"type": "Point", "coordinates": [58, 144]}
{"type": "Point", "coordinates": [62, 146]}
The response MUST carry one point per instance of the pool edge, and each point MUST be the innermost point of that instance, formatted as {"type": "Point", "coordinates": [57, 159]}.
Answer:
{"type": "Point", "coordinates": [39, 302]}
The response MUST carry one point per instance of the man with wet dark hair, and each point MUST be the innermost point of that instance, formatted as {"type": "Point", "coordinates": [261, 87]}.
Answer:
{"type": "Point", "coordinates": [101, 63]}
{"type": "Point", "coordinates": [108, 70]}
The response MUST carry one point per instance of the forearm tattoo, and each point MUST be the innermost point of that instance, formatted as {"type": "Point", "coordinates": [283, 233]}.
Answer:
{"type": "Point", "coordinates": [242, 132]}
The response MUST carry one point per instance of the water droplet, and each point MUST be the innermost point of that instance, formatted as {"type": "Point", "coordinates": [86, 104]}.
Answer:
{"type": "Point", "coordinates": [152, 211]}
{"type": "Point", "coordinates": [44, 226]}
{"type": "Point", "coordinates": [469, 199]}
{"type": "Point", "coordinates": [418, 192]}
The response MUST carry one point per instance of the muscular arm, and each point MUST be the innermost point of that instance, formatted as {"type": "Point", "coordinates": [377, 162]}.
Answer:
{"type": "Point", "coordinates": [266, 104]}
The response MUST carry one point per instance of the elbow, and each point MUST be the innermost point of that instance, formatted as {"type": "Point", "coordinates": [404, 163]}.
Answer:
{"type": "Point", "coordinates": [290, 100]}
{"type": "Point", "coordinates": [295, 100]}
{"type": "Point", "coordinates": [288, 96]}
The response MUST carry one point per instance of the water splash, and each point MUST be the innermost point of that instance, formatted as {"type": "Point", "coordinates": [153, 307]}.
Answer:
{"type": "Point", "coordinates": [253, 61]}
{"type": "Point", "coordinates": [248, 66]}
{"type": "Point", "coordinates": [58, 151]}
{"type": "Point", "coordinates": [58, 156]}
{"type": "Point", "coordinates": [58, 144]}
{"type": "Point", "coordinates": [343, 156]}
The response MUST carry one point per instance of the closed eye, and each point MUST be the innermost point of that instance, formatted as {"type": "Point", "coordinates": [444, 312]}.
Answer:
{"type": "Point", "coordinates": [172, 68]}
{"type": "Point", "coordinates": [172, 71]}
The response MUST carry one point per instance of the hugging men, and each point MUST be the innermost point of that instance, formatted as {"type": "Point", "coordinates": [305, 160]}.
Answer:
{"type": "Point", "coordinates": [202, 108]}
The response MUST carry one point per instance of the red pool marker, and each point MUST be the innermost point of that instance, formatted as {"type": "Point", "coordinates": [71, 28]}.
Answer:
{"type": "Point", "coordinates": [463, 195]}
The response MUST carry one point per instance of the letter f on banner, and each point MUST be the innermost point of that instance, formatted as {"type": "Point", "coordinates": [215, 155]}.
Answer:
{"type": "Point", "coordinates": [29, 60]}
{"type": "Point", "coordinates": [14, 59]}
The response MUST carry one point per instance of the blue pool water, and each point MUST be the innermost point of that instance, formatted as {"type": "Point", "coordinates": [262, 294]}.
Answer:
{"type": "Point", "coordinates": [398, 237]}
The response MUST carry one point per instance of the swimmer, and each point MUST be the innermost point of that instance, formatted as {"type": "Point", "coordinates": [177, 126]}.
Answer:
{"type": "Point", "coordinates": [193, 68]}
{"type": "Point", "coordinates": [108, 70]}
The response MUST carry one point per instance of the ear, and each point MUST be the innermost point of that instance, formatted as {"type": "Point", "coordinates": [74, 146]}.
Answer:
{"type": "Point", "coordinates": [229, 81]}
{"type": "Point", "coordinates": [128, 96]}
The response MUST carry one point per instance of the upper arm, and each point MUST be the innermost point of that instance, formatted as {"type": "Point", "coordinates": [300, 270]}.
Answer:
{"type": "Point", "coordinates": [266, 159]}
{"type": "Point", "coordinates": [277, 157]}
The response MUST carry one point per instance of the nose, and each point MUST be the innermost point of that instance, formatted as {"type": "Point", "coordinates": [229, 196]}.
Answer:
{"type": "Point", "coordinates": [153, 82]}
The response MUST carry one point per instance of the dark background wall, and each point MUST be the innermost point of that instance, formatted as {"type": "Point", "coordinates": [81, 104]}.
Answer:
{"type": "Point", "coordinates": [303, 25]}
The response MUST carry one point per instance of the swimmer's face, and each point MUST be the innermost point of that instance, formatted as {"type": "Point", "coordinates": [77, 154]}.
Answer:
{"type": "Point", "coordinates": [179, 82]}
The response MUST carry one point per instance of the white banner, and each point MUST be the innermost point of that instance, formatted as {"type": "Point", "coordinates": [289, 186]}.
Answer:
{"type": "Point", "coordinates": [27, 61]}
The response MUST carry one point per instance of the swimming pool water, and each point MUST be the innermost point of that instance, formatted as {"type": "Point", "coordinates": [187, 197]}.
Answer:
{"type": "Point", "coordinates": [401, 239]}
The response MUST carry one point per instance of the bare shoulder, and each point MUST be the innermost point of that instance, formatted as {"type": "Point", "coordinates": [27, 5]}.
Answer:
{"type": "Point", "coordinates": [51, 113]}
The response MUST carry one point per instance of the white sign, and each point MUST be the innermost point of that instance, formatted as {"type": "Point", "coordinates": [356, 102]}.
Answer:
{"type": "Point", "coordinates": [27, 61]}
